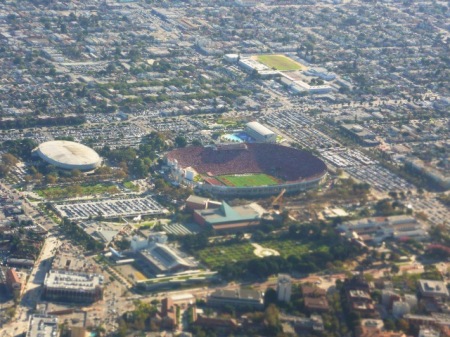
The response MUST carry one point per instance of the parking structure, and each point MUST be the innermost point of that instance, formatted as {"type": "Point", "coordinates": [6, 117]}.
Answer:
{"type": "Point", "coordinates": [111, 208]}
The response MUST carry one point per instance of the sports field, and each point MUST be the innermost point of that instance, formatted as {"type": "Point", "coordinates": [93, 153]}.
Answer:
{"type": "Point", "coordinates": [259, 179]}
{"type": "Point", "coordinates": [279, 62]}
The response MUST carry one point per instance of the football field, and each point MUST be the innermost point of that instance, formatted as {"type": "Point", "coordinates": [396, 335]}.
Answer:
{"type": "Point", "coordinates": [279, 62]}
{"type": "Point", "coordinates": [248, 180]}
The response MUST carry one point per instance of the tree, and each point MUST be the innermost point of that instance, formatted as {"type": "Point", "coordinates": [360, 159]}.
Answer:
{"type": "Point", "coordinates": [395, 269]}
{"type": "Point", "coordinates": [389, 324]}
{"type": "Point", "coordinates": [270, 297]}
{"type": "Point", "coordinates": [403, 325]}
{"type": "Point", "coordinates": [180, 141]}
{"type": "Point", "coordinates": [51, 179]}
{"type": "Point", "coordinates": [272, 320]}
{"type": "Point", "coordinates": [384, 207]}
{"type": "Point", "coordinates": [196, 142]}
{"type": "Point", "coordinates": [9, 160]}
{"type": "Point", "coordinates": [38, 176]}
{"type": "Point", "coordinates": [76, 173]}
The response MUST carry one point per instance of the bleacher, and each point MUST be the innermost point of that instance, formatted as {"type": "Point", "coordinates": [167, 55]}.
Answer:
{"type": "Point", "coordinates": [283, 162]}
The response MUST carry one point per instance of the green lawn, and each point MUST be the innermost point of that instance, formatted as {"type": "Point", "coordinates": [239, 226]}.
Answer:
{"type": "Point", "coordinates": [145, 224]}
{"type": "Point", "coordinates": [279, 62]}
{"type": "Point", "coordinates": [218, 256]}
{"type": "Point", "coordinates": [291, 247]}
{"type": "Point", "coordinates": [248, 180]}
{"type": "Point", "coordinates": [130, 186]}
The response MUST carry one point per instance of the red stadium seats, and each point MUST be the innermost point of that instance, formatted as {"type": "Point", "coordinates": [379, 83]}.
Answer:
{"type": "Point", "coordinates": [285, 163]}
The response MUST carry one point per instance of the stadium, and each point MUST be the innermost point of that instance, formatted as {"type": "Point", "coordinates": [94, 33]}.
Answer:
{"type": "Point", "coordinates": [247, 170]}
{"type": "Point", "coordinates": [68, 155]}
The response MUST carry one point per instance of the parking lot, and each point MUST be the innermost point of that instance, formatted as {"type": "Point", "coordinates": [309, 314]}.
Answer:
{"type": "Point", "coordinates": [111, 208]}
{"type": "Point", "coordinates": [435, 211]}
{"type": "Point", "coordinates": [342, 158]}
{"type": "Point", "coordinates": [380, 178]}
{"type": "Point", "coordinates": [300, 128]}
{"type": "Point", "coordinates": [361, 167]}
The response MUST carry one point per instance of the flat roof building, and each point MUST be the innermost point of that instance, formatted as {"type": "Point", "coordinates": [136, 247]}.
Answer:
{"type": "Point", "coordinates": [71, 258]}
{"type": "Point", "coordinates": [260, 133]}
{"type": "Point", "coordinates": [377, 229]}
{"type": "Point", "coordinates": [247, 298]}
{"type": "Point", "coordinates": [364, 136]}
{"type": "Point", "coordinates": [42, 326]}
{"type": "Point", "coordinates": [431, 288]}
{"type": "Point", "coordinates": [73, 286]}
{"type": "Point", "coordinates": [164, 259]}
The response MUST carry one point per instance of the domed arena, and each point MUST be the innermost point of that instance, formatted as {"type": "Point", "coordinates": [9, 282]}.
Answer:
{"type": "Point", "coordinates": [255, 169]}
{"type": "Point", "coordinates": [68, 155]}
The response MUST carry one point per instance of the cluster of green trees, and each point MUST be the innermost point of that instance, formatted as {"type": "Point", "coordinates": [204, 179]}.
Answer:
{"type": "Point", "coordinates": [25, 244]}
{"type": "Point", "coordinates": [137, 162]}
{"type": "Point", "coordinates": [170, 192]}
{"type": "Point", "coordinates": [307, 263]}
{"type": "Point", "coordinates": [20, 148]}
{"type": "Point", "coordinates": [78, 235]}
{"type": "Point", "coordinates": [440, 234]}
{"type": "Point", "coordinates": [388, 207]}
{"type": "Point", "coordinates": [47, 174]}
{"type": "Point", "coordinates": [8, 161]}
{"type": "Point", "coordinates": [140, 319]}
{"type": "Point", "coordinates": [29, 122]}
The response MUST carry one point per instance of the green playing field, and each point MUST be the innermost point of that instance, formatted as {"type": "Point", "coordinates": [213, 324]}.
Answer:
{"type": "Point", "coordinates": [248, 180]}
{"type": "Point", "coordinates": [279, 62]}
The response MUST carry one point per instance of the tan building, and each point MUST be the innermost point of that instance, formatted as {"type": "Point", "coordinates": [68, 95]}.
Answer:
{"type": "Point", "coordinates": [13, 282]}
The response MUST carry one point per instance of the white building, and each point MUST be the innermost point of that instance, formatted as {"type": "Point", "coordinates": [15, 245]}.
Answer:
{"type": "Point", "coordinates": [260, 133]}
{"type": "Point", "coordinates": [431, 288]}
{"type": "Point", "coordinates": [42, 326]}
{"type": "Point", "coordinates": [284, 287]}
{"type": "Point", "coordinates": [250, 65]}
{"type": "Point", "coordinates": [386, 296]}
{"type": "Point", "coordinates": [162, 258]}
{"type": "Point", "coordinates": [140, 243]}
{"type": "Point", "coordinates": [321, 73]}
{"type": "Point", "coordinates": [247, 3]}
{"type": "Point", "coordinates": [68, 286]}
{"type": "Point", "coordinates": [411, 300]}
{"type": "Point", "coordinates": [378, 229]}
{"type": "Point", "coordinates": [426, 331]}
{"type": "Point", "coordinates": [400, 308]}
{"type": "Point", "coordinates": [231, 58]}
{"type": "Point", "coordinates": [302, 87]}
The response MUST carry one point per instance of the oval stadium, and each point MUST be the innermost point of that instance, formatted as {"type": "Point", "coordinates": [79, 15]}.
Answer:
{"type": "Point", "coordinates": [68, 155]}
{"type": "Point", "coordinates": [256, 169]}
